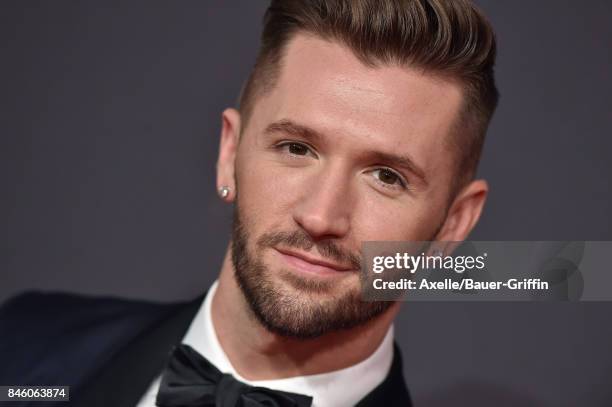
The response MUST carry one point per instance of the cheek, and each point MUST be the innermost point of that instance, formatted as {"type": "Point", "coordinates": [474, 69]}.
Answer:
{"type": "Point", "coordinates": [263, 194]}
{"type": "Point", "coordinates": [374, 221]}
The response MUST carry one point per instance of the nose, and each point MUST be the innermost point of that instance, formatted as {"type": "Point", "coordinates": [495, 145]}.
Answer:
{"type": "Point", "coordinates": [324, 209]}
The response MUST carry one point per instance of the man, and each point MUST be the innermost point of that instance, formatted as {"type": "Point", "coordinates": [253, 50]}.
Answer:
{"type": "Point", "coordinates": [362, 120]}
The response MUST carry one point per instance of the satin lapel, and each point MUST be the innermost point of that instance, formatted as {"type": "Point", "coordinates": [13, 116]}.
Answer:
{"type": "Point", "coordinates": [392, 392]}
{"type": "Point", "coordinates": [127, 376]}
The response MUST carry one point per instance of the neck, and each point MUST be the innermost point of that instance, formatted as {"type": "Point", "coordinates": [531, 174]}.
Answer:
{"type": "Point", "coordinates": [258, 354]}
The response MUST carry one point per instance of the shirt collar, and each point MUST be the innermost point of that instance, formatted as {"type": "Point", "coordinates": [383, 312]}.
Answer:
{"type": "Point", "coordinates": [327, 389]}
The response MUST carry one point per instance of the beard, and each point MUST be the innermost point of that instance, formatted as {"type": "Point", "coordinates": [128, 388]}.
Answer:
{"type": "Point", "coordinates": [288, 304]}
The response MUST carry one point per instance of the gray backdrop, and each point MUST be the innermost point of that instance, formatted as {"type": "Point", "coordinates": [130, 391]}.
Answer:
{"type": "Point", "coordinates": [109, 126]}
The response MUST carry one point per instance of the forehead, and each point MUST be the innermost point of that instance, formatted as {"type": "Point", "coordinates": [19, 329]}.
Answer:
{"type": "Point", "coordinates": [322, 84]}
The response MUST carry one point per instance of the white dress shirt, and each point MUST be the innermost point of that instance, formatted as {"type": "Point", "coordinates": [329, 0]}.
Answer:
{"type": "Point", "coordinates": [344, 387]}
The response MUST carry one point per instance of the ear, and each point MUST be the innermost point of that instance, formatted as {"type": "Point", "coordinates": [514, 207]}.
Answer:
{"type": "Point", "coordinates": [464, 212]}
{"type": "Point", "coordinates": [228, 146]}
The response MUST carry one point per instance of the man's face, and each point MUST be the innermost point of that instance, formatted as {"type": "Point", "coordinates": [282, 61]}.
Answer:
{"type": "Point", "coordinates": [337, 153]}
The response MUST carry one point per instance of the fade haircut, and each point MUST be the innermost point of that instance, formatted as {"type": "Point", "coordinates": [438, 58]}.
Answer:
{"type": "Point", "coordinates": [448, 38]}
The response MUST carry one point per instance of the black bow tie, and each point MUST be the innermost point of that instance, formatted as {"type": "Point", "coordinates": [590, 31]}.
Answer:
{"type": "Point", "coordinates": [190, 380]}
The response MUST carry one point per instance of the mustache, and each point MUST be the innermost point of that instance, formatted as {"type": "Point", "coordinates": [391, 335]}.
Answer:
{"type": "Point", "coordinates": [301, 240]}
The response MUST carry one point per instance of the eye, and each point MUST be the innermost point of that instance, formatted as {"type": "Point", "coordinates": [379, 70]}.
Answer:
{"type": "Point", "coordinates": [389, 178]}
{"type": "Point", "coordinates": [295, 148]}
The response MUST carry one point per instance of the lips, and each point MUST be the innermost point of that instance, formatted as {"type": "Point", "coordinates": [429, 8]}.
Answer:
{"type": "Point", "coordinates": [308, 263]}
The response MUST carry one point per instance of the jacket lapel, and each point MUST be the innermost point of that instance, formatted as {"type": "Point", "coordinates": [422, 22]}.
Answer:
{"type": "Point", "coordinates": [392, 392]}
{"type": "Point", "coordinates": [123, 380]}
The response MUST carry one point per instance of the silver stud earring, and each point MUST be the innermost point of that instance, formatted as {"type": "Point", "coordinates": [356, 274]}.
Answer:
{"type": "Point", "coordinates": [224, 191]}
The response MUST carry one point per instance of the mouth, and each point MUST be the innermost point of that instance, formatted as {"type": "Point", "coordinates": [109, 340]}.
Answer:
{"type": "Point", "coordinates": [310, 264]}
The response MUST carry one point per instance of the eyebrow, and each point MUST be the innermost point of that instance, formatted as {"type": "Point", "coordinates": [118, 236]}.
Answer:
{"type": "Point", "coordinates": [293, 129]}
{"type": "Point", "coordinates": [289, 127]}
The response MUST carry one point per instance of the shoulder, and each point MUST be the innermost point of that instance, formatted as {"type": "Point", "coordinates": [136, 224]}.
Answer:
{"type": "Point", "coordinates": [37, 313]}
{"type": "Point", "coordinates": [61, 337]}
{"type": "Point", "coordinates": [29, 304]}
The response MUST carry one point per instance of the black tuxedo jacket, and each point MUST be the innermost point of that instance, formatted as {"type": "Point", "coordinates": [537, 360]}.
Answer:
{"type": "Point", "coordinates": [109, 350]}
